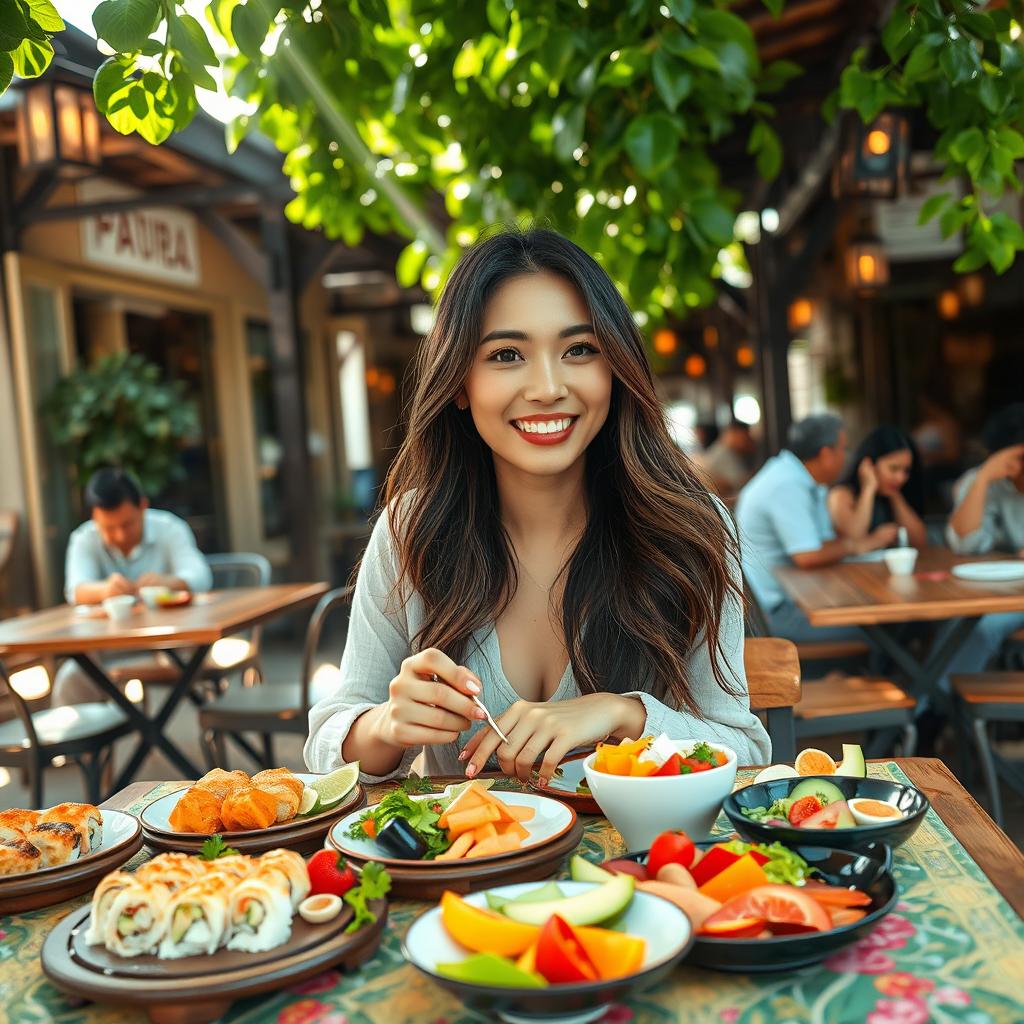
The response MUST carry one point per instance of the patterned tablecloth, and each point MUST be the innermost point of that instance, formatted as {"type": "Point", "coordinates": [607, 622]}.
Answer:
{"type": "Point", "coordinates": [952, 952]}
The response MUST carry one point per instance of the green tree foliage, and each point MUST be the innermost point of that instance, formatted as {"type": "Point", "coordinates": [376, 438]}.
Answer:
{"type": "Point", "coordinates": [965, 67]}
{"type": "Point", "coordinates": [26, 27]}
{"type": "Point", "coordinates": [122, 413]}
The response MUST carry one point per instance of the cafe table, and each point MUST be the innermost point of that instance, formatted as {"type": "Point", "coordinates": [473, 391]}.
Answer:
{"type": "Point", "coordinates": [191, 630]}
{"type": "Point", "coordinates": [866, 594]}
{"type": "Point", "coordinates": [951, 952]}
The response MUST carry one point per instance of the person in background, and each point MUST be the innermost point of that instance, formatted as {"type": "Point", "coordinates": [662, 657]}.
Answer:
{"type": "Point", "coordinates": [706, 434]}
{"type": "Point", "coordinates": [783, 519]}
{"type": "Point", "coordinates": [884, 484]}
{"type": "Point", "coordinates": [727, 461]}
{"type": "Point", "coordinates": [123, 546]}
{"type": "Point", "coordinates": [989, 516]}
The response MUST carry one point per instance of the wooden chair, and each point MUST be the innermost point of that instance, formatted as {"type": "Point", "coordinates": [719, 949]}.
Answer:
{"type": "Point", "coordinates": [239, 569]}
{"type": "Point", "coordinates": [984, 697]}
{"type": "Point", "coordinates": [85, 733]}
{"type": "Point", "coordinates": [271, 708]}
{"type": "Point", "coordinates": [773, 679]}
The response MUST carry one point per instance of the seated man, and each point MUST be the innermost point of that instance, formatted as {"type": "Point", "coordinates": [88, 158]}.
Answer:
{"type": "Point", "coordinates": [989, 516]}
{"type": "Point", "coordinates": [124, 545]}
{"type": "Point", "coordinates": [727, 461]}
{"type": "Point", "coordinates": [783, 519]}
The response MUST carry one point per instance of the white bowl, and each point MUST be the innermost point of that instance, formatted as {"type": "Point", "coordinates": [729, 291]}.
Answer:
{"type": "Point", "coordinates": [900, 561]}
{"type": "Point", "coordinates": [643, 808]}
{"type": "Point", "coordinates": [119, 608]}
{"type": "Point", "coordinates": [151, 595]}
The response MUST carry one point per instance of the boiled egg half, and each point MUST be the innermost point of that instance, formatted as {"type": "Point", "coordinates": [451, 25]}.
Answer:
{"type": "Point", "coordinates": [873, 812]}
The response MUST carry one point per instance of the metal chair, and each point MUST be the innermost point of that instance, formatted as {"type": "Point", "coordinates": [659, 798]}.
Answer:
{"type": "Point", "coordinates": [85, 733]}
{"type": "Point", "coordinates": [271, 708]}
{"type": "Point", "coordinates": [239, 654]}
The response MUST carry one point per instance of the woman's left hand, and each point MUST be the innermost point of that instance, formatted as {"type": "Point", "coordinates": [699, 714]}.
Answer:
{"type": "Point", "coordinates": [550, 730]}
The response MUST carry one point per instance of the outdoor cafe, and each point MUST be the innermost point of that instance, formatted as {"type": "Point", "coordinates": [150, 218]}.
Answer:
{"type": "Point", "coordinates": [511, 517]}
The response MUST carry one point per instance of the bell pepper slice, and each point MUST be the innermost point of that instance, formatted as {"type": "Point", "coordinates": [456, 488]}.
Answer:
{"type": "Point", "coordinates": [561, 957]}
{"type": "Point", "coordinates": [736, 879]}
{"type": "Point", "coordinates": [716, 859]}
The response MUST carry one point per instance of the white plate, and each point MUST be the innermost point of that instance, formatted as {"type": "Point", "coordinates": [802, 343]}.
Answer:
{"type": "Point", "coordinates": [157, 815]}
{"type": "Point", "coordinates": [665, 929]}
{"type": "Point", "coordinates": [989, 572]}
{"type": "Point", "coordinates": [550, 820]}
{"type": "Point", "coordinates": [571, 776]}
{"type": "Point", "coordinates": [119, 829]}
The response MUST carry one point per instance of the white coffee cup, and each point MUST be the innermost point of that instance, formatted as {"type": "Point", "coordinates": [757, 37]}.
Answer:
{"type": "Point", "coordinates": [119, 608]}
{"type": "Point", "coordinates": [901, 561]}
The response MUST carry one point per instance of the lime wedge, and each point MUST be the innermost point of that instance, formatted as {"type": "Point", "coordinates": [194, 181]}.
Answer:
{"type": "Point", "coordinates": [310, 798]}
{"type": "Point", "coordinates": [332, 787]}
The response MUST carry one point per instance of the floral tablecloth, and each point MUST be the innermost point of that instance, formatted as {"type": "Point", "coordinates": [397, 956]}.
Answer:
{"type": "Point", "coordinates": [952, 952]}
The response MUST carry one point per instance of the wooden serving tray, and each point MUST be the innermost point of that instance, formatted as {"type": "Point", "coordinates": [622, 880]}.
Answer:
{"type": "Point", "coordinates": [301, 834]}
{"type": "Point", "coordinates": [35, 889]}
{"type": "Point", "coordinates": [420, 882]}
{"type": "Point", "coordinates": [200, 989]}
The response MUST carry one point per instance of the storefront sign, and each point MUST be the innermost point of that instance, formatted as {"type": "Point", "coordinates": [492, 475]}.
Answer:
{"type": "Point", "coordinates": [156, 242]}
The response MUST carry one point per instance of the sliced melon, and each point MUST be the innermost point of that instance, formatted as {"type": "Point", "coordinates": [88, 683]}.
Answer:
{"type": "Point", "coordinates": [852, 764]}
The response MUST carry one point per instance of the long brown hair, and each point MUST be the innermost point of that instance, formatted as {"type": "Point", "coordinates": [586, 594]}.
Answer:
{"type": "Point", "coordinates": [648, 578]}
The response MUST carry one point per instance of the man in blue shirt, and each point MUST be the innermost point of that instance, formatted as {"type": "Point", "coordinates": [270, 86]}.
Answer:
{"type": "Point", "coordinates": [783, 519]}
{"type": "Point", "coordinates": [124, 545]}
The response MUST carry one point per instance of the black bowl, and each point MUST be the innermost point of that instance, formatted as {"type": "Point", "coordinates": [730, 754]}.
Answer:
{"type": "Point", "coordinates": [912, 802]}
{"type": "Point", "coordinates": [870, 871]}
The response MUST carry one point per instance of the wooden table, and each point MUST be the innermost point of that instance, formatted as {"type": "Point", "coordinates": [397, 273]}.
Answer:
{"type": "Point", "coordinates": [989, 845]}
{"type": "Point", "coordinates": [64, 632]}
{"type": "Point", "coordinates": [867, 595]}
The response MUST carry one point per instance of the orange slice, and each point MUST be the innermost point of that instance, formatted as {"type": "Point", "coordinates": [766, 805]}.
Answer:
{"type": "Point", "coordinates": [814, 762]}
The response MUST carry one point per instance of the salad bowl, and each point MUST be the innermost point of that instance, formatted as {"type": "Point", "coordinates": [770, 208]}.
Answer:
{"type": "Point", "coordinates": [757, 813]}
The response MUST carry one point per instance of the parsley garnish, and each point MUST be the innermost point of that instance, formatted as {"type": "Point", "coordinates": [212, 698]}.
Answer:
{"type": "Point", "coordinates": [374, 883]}
{"type": "Point", "coordinates": [215, 847]}
{"type": "Point", "coordinates": [702, 752]}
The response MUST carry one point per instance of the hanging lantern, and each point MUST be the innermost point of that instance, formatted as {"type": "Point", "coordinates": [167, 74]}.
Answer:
{"type": "Point", "coordinates": [867, 266]}
{"type": "Point", "coordinates": [57, 125]}
{"type": "Point", "coordinates": [875, 158]}
{"type": "Point", "coordinates": [710, 337]}
{"type": "Point", "coordinates": [800, 314]}
{"type": "Point", "coordinates": [948, 304]}
{"type": "Point", "coordinates": [745, 356]}
{"type": "Point", "coordinates": [972, 289]}
{"type": "Point", "coordinates": [665, 342]}
{"type": "Point", "coordinates": [695, 365]}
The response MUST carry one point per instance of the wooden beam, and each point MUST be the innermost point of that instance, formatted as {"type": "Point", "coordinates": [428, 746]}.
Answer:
{"type": "Point", "coordinates": [250, 257]}
{"type": "Point", "coordinates": [765, 23]}
{"type": "Point", "coordinates": [800, 42]}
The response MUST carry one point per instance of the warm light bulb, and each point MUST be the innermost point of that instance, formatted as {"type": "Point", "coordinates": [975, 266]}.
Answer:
{"type": "Point", "coordinates": [878, 142]}
{"type": "Point", "coordinates": [949, 305]}
{"type": "Point", "coordinates": [800, 314]}
{"type": "Point", "coordinates": [133, 691]}
{"type": "Point", "coordinates": [695, 366]}
{"type": "Point", "coordinates": [745, 356]}
{"type": "Point", "coordinates": [866, 267]}
{"type": "Point", "coordinates": [665, 342]}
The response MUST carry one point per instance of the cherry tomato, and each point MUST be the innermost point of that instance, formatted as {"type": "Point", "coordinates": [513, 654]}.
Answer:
{"type": "Point", "coordinates": [784, 906]}
{"type": "Point", "coordinates": [329, 873]}
{"type": "Point", "coordinates": [670, 848]}
{"type": "Point", "coordinates": [803, 809]}
{"type": "Point", "coordinates": [561, 957]}
{"type": "Point", "coordinates": [695, 765]}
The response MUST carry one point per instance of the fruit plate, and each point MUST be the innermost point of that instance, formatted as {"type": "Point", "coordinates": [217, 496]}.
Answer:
{"type": "Point", "coordinates": [122, 839]}
{"type": "Point", "coordinates": [870, 871]}
{"type": "Point", "coordinates": [912, 802]}
{"type": "Point", "coordinates": [664, 927]}
{"type": "Point", "coordinates": [551, 820]}
{"type": "Point", "coordinates": [199, 989]}
{"type": "Point", "coordinates": [303, 832]}
{"type": "Point", "coordinates": [565, 785]}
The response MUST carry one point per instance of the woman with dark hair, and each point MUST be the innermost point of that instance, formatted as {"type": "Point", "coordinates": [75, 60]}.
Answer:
{"type": "Point", "coordinates": [885, 484]}
{"type": "Point", "coordinates": [545, 545]}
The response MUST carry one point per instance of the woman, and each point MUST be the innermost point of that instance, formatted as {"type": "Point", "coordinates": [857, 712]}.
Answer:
{"type": "Point", "coordinates": [545, 545]}
{"type": "Point", "coordinates": [885, 484]}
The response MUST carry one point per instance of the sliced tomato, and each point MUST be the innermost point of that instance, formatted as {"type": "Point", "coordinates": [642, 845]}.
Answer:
{"type": "Point", "coordinates": [836, 895]}
{"type": "Point", "coordinates": [803, 809]}
{"type": "Point", "coordinates": [778, 905]}
{"type": "Point", "coordinates": [732, 927]}
{"type": "Point", "coordinates": [695, 765]}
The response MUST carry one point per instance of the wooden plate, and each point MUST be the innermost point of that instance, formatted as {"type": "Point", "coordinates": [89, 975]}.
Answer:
{"type": "Point", "coordinates": [122, 839]}
{"type": "Point", "coordinates": [564, 787]}
{"type": "Point", "coordinates": [196, 990]}
{"type": "Point", "coordinates": [301, 833]}
{"type": "Point", "coordinates": [551, 820]}
{"type": "Point", "coordinates": [425, 880]}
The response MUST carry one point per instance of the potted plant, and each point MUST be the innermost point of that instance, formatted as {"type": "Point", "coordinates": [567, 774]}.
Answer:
{"type": "Point", "coordinates": [121, 412]}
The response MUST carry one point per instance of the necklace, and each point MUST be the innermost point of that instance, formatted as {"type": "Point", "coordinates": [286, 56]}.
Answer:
{"type": "Point", "coordinates": [533, 579]}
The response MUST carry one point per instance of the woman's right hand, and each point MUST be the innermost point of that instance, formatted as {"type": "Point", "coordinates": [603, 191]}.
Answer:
{"type": "Point", "coordinates": [427, 702]}
{"type": "Point", "coordinates": [1003, 464]}
{"type": "Point", "coordinates": [867, 475]}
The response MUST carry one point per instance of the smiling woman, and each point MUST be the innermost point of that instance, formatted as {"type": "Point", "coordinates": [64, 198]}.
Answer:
{"type": "Point", "coordinates": [545, 545]}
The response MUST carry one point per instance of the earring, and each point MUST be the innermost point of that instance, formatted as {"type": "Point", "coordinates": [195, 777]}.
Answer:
{"type": "Point", "coordinates": [461, 403]}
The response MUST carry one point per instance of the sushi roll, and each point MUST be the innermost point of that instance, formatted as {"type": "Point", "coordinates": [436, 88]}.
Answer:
{"type": "Point", "coordinates": [293, 867]}
{"type": "Point", "coordinates": [196, 918]}
{"type": "Point", "coordinates": [85, 817]}
{"type": "Point", "coordinates": [247, 809]}
{"type": "Point", "coordinates": [59, 842]}
{"type": "Point", "coordinates": [261, 916]}
{"type": "Point", "coordinates": [18, 856]}
{"type": "Point", "coordinates": [135, 921]}
{"type": "Point", "coordinates": [19, 820]}
{"type": "Point", "coordinates": [236, 866]}
{"type": "Point", "coordinates": [102, 899]}
{"type": "Point", "coordinates": [197, 811]}
{"type": "Point", "coordinates": [284, 787]}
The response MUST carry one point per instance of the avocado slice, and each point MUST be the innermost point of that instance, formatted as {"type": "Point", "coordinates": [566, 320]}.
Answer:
{"type": "Point", "coordinates": [184, 917]}
{"type": "Point", "coordinates": [548, 891]}
{"type": "Point", "coordinates": [491, 969]}
{"type": "Point", "coordinates": [852, 766]}
{"type": "Point", "coordinates": [126, 924]}
{"type": "Point", "coordinates": [601, 903]}
{"type": "Point", "coordinates": [583, 870]}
